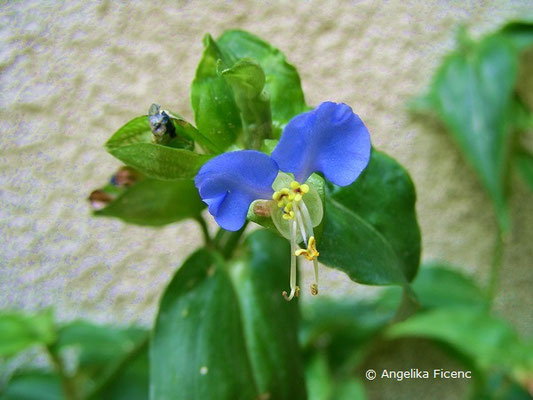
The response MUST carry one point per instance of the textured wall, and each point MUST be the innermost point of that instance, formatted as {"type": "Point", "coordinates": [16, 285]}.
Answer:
{"type": "Point", "coordinates": [72, 73]}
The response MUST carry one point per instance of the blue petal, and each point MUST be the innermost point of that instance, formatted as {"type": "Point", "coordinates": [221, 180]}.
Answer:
{"type": "Point", "coordinates": [330, 139]}
{"type": "Point", "coordinates": [230, 182]}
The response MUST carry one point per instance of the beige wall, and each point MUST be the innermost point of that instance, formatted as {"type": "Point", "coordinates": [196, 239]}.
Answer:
{"type": "Point", "coordinates": [71, 74]}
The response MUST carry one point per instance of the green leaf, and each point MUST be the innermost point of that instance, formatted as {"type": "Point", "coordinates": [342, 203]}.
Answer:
{"type": "Point", "coordinates": [20, 331]}
{"type": "Point", "coordinates": [247, 80]}
{"type": "Point", "coordinates": [438, 285]}
{"type": "Point", "coordinates": [282, 80]}
{"type": "Point", "coordinates": [270, 322]}
{"type": "Point", "coordinates": [198, 347]}
{"type": "Point", "coordinates": [520, 33]}
{"type": "Point", "coordinates": [96, 345]}
{"type": "Point", "coordinates": [370, 227]}
{"type": "Point", "coordinates": [33, 385]}
{"type": "Point", "coordinates": [138, 131]}
{"type": "Point", "coordinates": [155, 203]}
{"type": "Point", "coordinates": [161, 162]}
{"type": "Point", "coordinates": [132, 145]}
{"type": "Point", "coordinates": [473, 95]}
{"type": "Point", "coordinates": [104, 357]}
{"type": "Point", "coordinates": [216, 113]}
{"type": "Point", "coordinates": [524, 162]}
{"type": "Point", "coordinates": [485, 339]}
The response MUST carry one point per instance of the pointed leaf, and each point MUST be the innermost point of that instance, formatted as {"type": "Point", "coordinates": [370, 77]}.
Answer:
{"type": "Point", "coordinates": [20, 331]}
{"type": "Point", "coordinates": [246, 77]}
{"type": "Point", "coordinates": [215, 110]}
{"type": "Point", "coordinates": [198, 348]}
{"type": "Point", "coordinates": [370, 227]}
{"type": "Point", "coordinates": [473, 95]}
{"type": "Point", "coordinates": [270, 322]}
{"type": "Point", "coordinates": [161, 162]}
{"type": "Point", "coordinates": [282, 80]}
{"type": "Point", "coordinates": [132, 144]}
{"type": "Point", "coordinates": [155, 203]}
{"type": "Point", "coordinates": [247, 80]}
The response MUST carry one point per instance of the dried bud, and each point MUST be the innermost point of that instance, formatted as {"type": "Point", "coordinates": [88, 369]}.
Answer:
{"type": "Point", "coordinates": [125, 177]}
{"type": "Point", "coordinates": [100, 199]}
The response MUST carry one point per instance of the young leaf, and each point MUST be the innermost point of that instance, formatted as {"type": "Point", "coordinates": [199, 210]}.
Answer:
{"type": "Point", "coordinates": [155, 203]}
{"type": "Point", "coordinates": [215, 110]}
{"type": "Point", "coordinates": [370, 227]}
{"type": "Point", "coordinates": [247, 80]}
{"type": "Point", "coordinates": [472, 93]}
{"type": "Point", "coordinates": [198, 348]}
{"type": "Point", "coordinates": [20, 331]}
{"type": "Point", "coordinates": [282, 80]}
{"type": "Point", "coordinates": [132, 144]}
{"type": "Point", "coordinates": [270, 323]}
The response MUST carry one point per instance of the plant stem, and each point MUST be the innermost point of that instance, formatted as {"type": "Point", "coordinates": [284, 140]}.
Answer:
{"type": "Point", "coordinates": [408, 305]}
{"type": "Point", "coordinates": [497, 256]}
{"type": "Point", "coordinates": [67, 385]}
{"type": "Point", "coordinates": [207, 238]}
{"type": "Point", "coordinates": [226, 241]}
{"type": "Point", "coordinates": [118, 368]}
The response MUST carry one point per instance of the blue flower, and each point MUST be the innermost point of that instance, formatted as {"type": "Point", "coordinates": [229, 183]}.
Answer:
{"type": "Point", "coordinates": [330, 139]}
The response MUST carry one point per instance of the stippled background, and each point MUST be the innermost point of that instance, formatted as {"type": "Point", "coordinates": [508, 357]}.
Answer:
{"type": "Point", "coordinates": [72, 73]}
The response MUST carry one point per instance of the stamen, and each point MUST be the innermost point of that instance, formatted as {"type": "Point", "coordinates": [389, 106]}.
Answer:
{"type": "Point", "coordinates": [300, 222]}
{"type": "Point", "coordinates": [294, 289]}
{"type": "Point", "coordinates": [311, 253]}
{"type": "Point", "coordinates": [307, 218]}
{"type": "Point", "coordinates": [314, 286]}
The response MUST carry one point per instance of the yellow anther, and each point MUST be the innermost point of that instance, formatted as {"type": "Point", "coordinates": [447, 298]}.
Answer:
{"type": "Point", "coordinates": [288, 207]}
{"type": "Point", "coordinates": [294, 185]}
{"type": "Point", "coordinates": [304, 188]}
{"type": "Point", "coordinates": [297, 197]}
{"type": "Point", "coordinates": [314, 289]}
{"type": "Point", "coordinates": [288, 215]}
{"type": "Point", "coordinates": [311, 252]}
{"type": "Point", "coordinates": [276, 196]}
{"type": "Point", "coordinates": [292, 196]}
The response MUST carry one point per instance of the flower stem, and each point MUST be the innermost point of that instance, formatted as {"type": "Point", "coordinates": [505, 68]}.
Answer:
{"type": "Point", "coordinates": [203, 225]}
{"type": "Point", "coordinates": [496, 265]}
{"type": "Point", "coordinates": [67, 385]}
{"type": "Point", "coordinates": [226, 241]}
